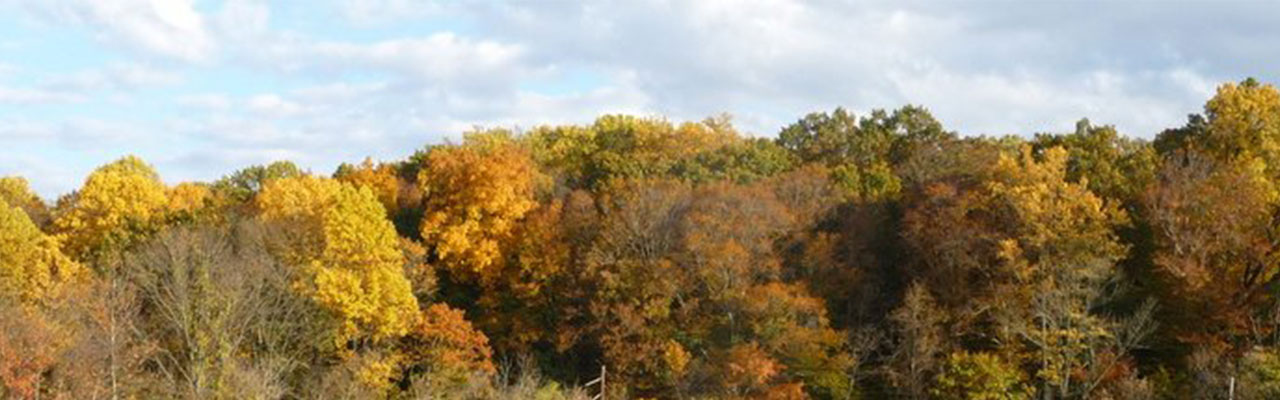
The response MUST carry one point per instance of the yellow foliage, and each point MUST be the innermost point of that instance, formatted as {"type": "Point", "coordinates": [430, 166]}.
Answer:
{"type": "Point", "coordinates": [378, 372]}
{"type": "Point", "coordinates": [475, 196]}
{"type": "Point", "coordinates": [1244, 119]}
{"type": "Point", "coordinates": [189, 198]}
{"type": "Point", "coordinates": [350, 251]}
{"type": "Point", "coordinates": [15, 192]}
{"type": "Point", "coordinates": [32, 269]}
{"type": "Point", "coordinates": [381, 179]}
{"type": "Point", "coordinates": [1057, 219]}
{"type": "Point", "coordinates": [676, 358]}
{"type": "Point", "coordinates": [119, 203]}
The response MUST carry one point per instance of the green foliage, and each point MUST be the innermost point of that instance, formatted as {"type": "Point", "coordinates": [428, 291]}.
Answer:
{"type": "Point", "coordinates": [242, 185]}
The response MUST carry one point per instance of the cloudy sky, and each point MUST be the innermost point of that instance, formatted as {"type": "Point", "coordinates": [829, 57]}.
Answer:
{"type": "Point", "coordinates": [200, 88]}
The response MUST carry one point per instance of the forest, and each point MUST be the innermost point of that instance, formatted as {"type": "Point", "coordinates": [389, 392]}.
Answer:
{"type": "Point", "coordinates": [873, 256]}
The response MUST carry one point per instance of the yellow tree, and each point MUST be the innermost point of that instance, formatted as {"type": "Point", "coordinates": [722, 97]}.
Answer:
{"type": "Point", "coordinates": [379, 178]}
{"type": "Point", "coordinates": [119, 204]}
{"type": "Point", "coordinates": [350, 253]}
{"type": "Point", "coordinates": [1061, 250]}
{"type": "Point", "coordinates": [476, 194]}
{"type": "Point", "coordinates": [1244, 119]}
{"type": "Point", "coordinates": [32, 269]}
{"type": "Point", "coordinates": [15, 192]}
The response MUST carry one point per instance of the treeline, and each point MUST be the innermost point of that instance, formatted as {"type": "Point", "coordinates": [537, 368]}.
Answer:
{"type": "Point", "coordinates": [874, 256]}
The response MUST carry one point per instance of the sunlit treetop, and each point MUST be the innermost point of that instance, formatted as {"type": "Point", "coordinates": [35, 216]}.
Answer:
{"type": "Point", "coordinates": [475, 195]}
{"type": "Point", "coordinates": [119, 204]}
{"type": "Point", "coordinates": [349, 252]}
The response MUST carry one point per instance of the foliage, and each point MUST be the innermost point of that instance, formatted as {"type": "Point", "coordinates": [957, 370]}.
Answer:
{"type": "Point", "coordinates": [349, 252]}
{"type": "Point", "coordinates": [32, 268]}
{"type": "Point", "coordinates": [15, 192]}
{"type": "Point", "coordinates": [979, 376]}
{"type": "Point", "coordinates": [120, 204]}
{"type": "Point", "coordinates": [475, 195]}
{"type": "Point", "coordinates": [868, 256]}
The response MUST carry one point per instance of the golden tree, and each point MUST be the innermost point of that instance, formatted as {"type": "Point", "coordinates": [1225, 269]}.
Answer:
{"type": "Point", "coordinates": [32, 269]}
{"type": "Point", "coordinates": [119, 204]}
{"type": "Point", "coordinates": [15, 192]}
{"type": "Point", "coordinates": [475, 196]}
{"type": "Point", "coordinates": [350, 253]}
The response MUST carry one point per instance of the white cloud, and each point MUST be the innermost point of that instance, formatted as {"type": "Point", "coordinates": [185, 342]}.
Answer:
{"type": "Point", "coordinates": [331, 82]}
{"type": "Point", "coordinates": [115, 76]}
{"type": "Point", "coordinates": [23, 96]}
{"type": "Point", "coordinates": [273, 105]}
{"type": "Point", "coordinates": [369, 12]}
{"type": "Point", "coordinates": [206, 101]}
{"type": "Point", "coordinates": [169, 28]}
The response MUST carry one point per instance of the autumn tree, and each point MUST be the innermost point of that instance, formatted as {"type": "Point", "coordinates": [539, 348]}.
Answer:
{"type": "Point", "coordinates": [1112, 166]}
{"type": "Point", "coordinates": [918, 327]}
{"type": "Point", "coordinates": [222, 312]}
{"type": "Point", "coordinates": [1215, 246]}
{"type": "Point", "coordinates": [1240, 122]}
{"type": "Point", "coordinates": [475, 196]}
{"type": "Point", "coordinates": [380, 179]}
{"type": "Point", "coordinates": [349, 252]}
{"type": "Point", "coordinates": [30, 344]}
{"type": "Point", "coordinates": [1062, 252]}
{"type": "Point", "coordinates": [443, 347]}
{"type": "Point", "coordinates": [16, 192]}
{"type": "Point", "coordinates": [119, 205]}
{"type": "Point", "coordinates": [979, 376]}
{"type": "Point", "coordinates": [32, 268]}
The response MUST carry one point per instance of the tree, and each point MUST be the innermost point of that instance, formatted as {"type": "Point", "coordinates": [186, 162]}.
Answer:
{"type": "Point", "coordinates": [742, 161]}
{"type": "Point", "coordinates": [381, 179]}
{"type": "Point", "coordinates": [475, 195]}
{"type": "Point", "coordinates": [829, 138]}
{"type": "Point", "coordinates": [864, 152]}
{"type": "Point", "coordinates": [1240, 122]}
{"type": "Point", "coordinates": [918, 326]}
{"type": "Point", "coordinates": [120, 204]}
{"type": "Point", "coordinates": [32, 268]}
{"type": "Point", "coordinates": [443, 346]}
{"type": "Point", "coordinates": [15, 192]}
{"type": "Point", "coordinates": [29, 348]}
{"type": "Point", "coordinates": [1244, 121]}
{"type": "Point", "coordinates": [244, 184]}
{"type": "Point", "coordinates": [349, 252]}
{"type": "Point", "coordinates": [1112, 166]}
{"type": "Point", "coordinates": [190, 201]}
{"type": "Point", "coordinates": [1061, 253]}
{"type": "Point", "coordinates": [222, 312]}
{"type": "Point", "coordinates": [1215, 245]}
{"type": "Point", "coordinates": [979, 376]}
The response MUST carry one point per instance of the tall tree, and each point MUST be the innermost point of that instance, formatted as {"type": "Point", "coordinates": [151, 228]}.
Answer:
{"type": "Point", "coordinates": [349, 252]}
{"type": "Point", "coordinates": [475, 196]}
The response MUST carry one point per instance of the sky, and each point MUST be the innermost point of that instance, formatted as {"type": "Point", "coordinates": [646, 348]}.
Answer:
{"type": "Point", "coordinates": [201, 88]}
